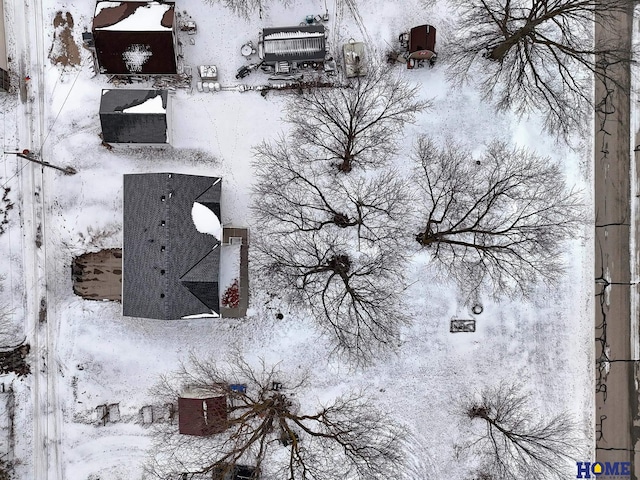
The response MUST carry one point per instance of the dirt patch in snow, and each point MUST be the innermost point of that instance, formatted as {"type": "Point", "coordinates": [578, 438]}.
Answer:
{"type": "Point", "coordinates": [98, 276]}
{"type": "Point", "coordinates": [64, 50]}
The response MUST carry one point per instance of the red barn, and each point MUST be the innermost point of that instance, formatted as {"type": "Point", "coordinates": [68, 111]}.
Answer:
{"type": "Point", "coordinates": [201, 413]}
{"type": "Point", "coordinates": [135, 38]}
{"type": "Point", "coordinates": [422, 42]}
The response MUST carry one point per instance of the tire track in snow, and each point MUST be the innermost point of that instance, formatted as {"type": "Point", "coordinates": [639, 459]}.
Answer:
{"type": "Point", "coordinates": [38, 324]}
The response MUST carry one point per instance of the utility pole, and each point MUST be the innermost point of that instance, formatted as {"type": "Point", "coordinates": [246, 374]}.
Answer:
{"type": "Point", "coordinates": [32, 157]}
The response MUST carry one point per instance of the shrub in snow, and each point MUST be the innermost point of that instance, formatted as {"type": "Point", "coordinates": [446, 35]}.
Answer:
{"type": "Point", "coordinates": [231, 298]}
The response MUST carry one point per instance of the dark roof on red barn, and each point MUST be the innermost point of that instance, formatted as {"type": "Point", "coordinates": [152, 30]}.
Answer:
{"type": "Point", "coordinates": [126, 46]}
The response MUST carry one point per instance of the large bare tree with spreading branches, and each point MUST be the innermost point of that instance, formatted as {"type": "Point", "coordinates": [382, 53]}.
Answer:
{"type": "Point", "coordinates": [292, 195]}
{"type": "Point", "coordinates": [513, 440]}
{"type": "Point", "coordinates": [355, 296]}
{"type": "Point", "coordinates": [496, 221]}
{"type": "Point", "coordinates": [274, 426]}
{"type": "Point", "coordinates": [534, 54]}
{"type": "Point", "coordinates": [358, 124]}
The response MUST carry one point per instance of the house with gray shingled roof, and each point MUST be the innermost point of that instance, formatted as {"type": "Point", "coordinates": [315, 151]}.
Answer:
{"type": "Point", "coordinates": [171, 246]}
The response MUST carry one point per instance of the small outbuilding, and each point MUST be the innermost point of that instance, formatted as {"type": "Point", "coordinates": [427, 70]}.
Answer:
{"type": "Point", "coordinates": [354, 59]}
{"type": "Point", "coordinates": [202, 413]}
{"type": "Point", "coordinates": [422, 43]}
{"type": "Point", "coordinates": [290, 48]}
{"type": "Point", "coordinates": [140, 117]}
{"type": "Point", "coordinates": [135, 38]}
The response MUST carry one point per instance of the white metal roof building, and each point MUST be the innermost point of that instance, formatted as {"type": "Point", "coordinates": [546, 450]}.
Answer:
{"type": "Point", "coordinates": [304, 43]}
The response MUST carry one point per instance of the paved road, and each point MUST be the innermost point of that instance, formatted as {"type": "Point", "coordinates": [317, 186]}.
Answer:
{"type": "Point", "coordinates": [29, 37]}
{"type": "Point", "coordinates": [615, 388]}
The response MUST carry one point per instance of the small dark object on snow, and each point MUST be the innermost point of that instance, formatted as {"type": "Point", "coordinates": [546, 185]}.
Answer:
{"type": "Point", "coordinates": [243, 72]}
{"type": "Point", "coordinates": [279, 316]}
{"type": "Point", "coordinates": [246, 69]}
{"type": "Point", "coordinates": [462, 325]}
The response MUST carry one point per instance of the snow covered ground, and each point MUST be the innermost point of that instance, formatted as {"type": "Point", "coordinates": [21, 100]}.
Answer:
{"type": "Point", "coordinates": [102, 358]}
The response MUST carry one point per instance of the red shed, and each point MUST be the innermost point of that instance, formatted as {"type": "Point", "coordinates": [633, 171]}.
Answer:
{"type": "Point", "coordinates": [135, 38]}
{"type": "Point", "coordinates": [422, 42]}
{"type": "Point", "coordinates": [200, 413]}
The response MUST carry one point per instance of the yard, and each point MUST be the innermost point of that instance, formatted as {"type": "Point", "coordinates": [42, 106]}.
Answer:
{"type": "Point", "coordinates": [102, 358]}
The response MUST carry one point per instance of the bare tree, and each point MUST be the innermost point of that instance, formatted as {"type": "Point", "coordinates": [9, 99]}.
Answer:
{"type": "Point", "coordinates": [534, 54]}
{"type": "Point", "coordinates": [245, 8]}
{"type": "Point", "coordinates": [496, 221]}
{"type": "Point", "coordinates": [292, 194]}
{"type": "Point", "coordinates": [355, 296]}
{"type": "Point", "coordinates": [513, 442]}
{"type": "Point", "coordinates": [358, 125]}
{"type": "Point", "coordinates": [269, 428]}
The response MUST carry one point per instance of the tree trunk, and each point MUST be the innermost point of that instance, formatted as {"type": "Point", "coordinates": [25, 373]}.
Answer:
{"type": "Point", "coordinates": [500, 51]}
{"type": "Point", "coordinates": [345, 166]}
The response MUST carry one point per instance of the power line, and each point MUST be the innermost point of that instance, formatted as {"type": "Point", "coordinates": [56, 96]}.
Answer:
{"type": "Point", "coordinates": [62, 106]}
{"type": "Point", "coordinates": [50, 128]}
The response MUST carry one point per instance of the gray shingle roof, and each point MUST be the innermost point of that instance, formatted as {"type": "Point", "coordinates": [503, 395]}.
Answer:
{"type": "Point", "coordinates": [170, 270]}
{"type": "Point", "coordinates": [119, 126]}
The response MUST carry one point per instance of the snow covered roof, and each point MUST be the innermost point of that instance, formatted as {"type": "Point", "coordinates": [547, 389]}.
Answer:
{"type": "Point", "coordinates": [301, 43]}
{"type": "Point", "coordinates": [134, 116]}
{"type": "Point", "coordinates": [170, 269]}
{"type": "Point", "coordinates": [135, 38]}
{"type": "Point", "coordinates": [133, 101]}
{"type": "Point", "coordinates": [134, 16]}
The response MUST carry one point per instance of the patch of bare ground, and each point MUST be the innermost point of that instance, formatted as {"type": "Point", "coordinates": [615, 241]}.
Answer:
{"type": "Point", "coordinates": [64, 50]}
